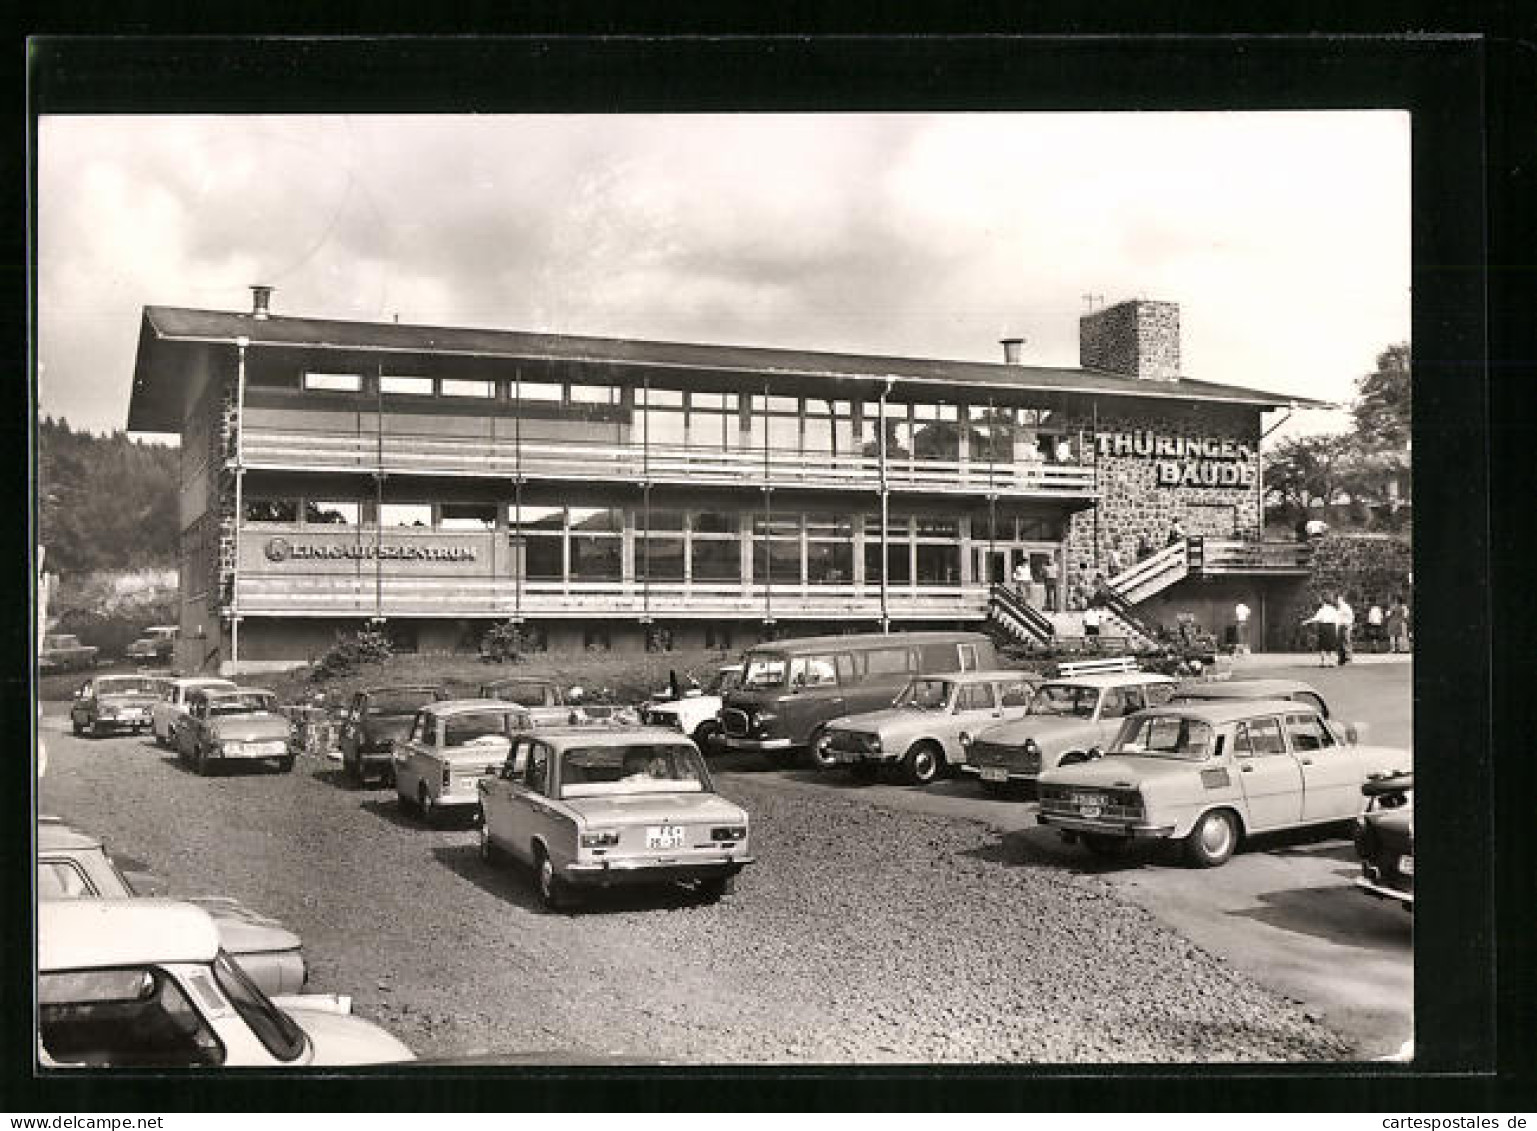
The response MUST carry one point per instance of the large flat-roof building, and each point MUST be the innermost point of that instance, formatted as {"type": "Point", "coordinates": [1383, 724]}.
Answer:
{"type": "Point", "coordinates": [605, 492]}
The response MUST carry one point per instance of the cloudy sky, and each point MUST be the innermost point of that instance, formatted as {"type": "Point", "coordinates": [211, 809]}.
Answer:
{"type": "Point", "coordinates": [1284, 237]}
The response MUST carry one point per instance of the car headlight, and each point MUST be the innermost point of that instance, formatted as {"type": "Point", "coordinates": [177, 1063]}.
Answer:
{"type": "Point", "coordinates": [605, 839]}
{"type": "Point", "coordinates": [874, 742]}
{"type": "Point", "coordinates": [1031, 747]}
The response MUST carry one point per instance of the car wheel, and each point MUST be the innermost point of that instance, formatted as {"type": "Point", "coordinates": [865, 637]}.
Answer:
{"type": "Point", "coordinates": [1105, 847]}
{"type": "Point", "coordinates": [286, 764]}
{"type": "Point", "coordinates": [715, 888]}
{"type": "Point", "coordinates": [706, 734]}
{"type": "Point", "coordinates": [1213, 840]}
{"type": "Point", "coordinates": [552, 889]}
{"type": "Point", "coordinates": [865, 771]}
{"type": "Point", "coordinates": [923, 763]}
{"type": "Point", "coordinates": [816, 746]}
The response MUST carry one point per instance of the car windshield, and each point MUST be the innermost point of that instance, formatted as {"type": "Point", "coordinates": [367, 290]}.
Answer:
{"type": "Point", "coordinates": [480, 728]}
{"type": "Point", "coordinates": [248, 703]}
{"type": "Point", "coordinates": [525, 694]}
{"type": "Point", "coordinates": [400, 702]}
{"type": "Point", "coordinates": [128, 685]}
{"type": "Point", "coordinates": [1165, 736]}
{"type": "Point", "coordinates": [764, 669]}
{"type": "Point", "coordinates": [597, 771]}
{"type": "Point", "coordinates": [926, 694]}
{"type": "Point", "coordinates": [274, 1028]}
{"type": "Point", "coordinates": [724, 682]}
{"type": "Point", "coordinates": [1065, 699]}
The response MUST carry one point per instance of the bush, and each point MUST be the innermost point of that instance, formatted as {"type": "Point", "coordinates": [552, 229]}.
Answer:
{"type": "Point", "coordinates": [504, 642]}
{"type": "Point", "coordinates": [350, 652]}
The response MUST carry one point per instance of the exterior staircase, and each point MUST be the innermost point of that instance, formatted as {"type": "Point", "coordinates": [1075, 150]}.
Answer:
{"type": "Point", "coordinates": [1152, 575]}
{"type": "Point", "coordinates": [1015, 616]}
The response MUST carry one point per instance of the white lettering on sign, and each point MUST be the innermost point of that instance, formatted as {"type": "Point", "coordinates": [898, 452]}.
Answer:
{"type": "Point", "coordinates": [281, 549]}
{"type": "Point", "coordinates": [1185, 461]}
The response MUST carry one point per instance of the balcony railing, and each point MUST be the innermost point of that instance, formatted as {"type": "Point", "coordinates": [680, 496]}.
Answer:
{"type": "Point", "coordinates": [1221, 555]}
{"type": "Point", "coordinates": [400, 453]}
{"type": "Point", "coordinates": [364, 596]}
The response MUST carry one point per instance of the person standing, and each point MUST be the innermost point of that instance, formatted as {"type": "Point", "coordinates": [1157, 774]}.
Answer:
{"type": "Point", "coordinates": [1114, 563]}
{"type": "Point", "coordinates": [1176, 532]}
{"type": "Point", "coordinates": [1397, 621]}
{"type": "Point", "coordinates": [1049, 576]}
{"type": "Point", "coordinates": [1345, 629]}
{"type": "Point", "coordinates": [1374, 627]}
{"type": "Point", "coordinates": [1144, 548]}
{"type": "Point", "coordinates": [1241, 621]}
{"type": "Point", "coordinates": [1022, 579]}
{"type": "Point", "coordinates": [1326, 624]}
{"type": "Point", "coordinates": [1091, 619]}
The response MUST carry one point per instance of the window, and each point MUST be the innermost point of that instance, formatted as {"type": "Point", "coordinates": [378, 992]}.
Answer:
{"type": "Point", "coordinates": [129, 1018]}
{"type": "Point", "coordinates": [1259, 736]}
{"type": "Point", "coordinates": [537, 769]}
{"type": "Point", "coordinates": [659, 558]}
{"type": "Point", "coordinates": [937, 657]}
{"type": "Point", "coordinates": [456, 387]}
{"type": "Point", "coordinates": [1308, 732]}
{"type": "Point", "coordinates": [1165, 735]}
{"type": "Point", "coordinates": [888, 661]}
{"type": "Point", "coordinates": [968, 657]}
{"type": "Point", "coordinates": [541, 392]}
{"type": "Point", "coordinates": [776, 550]}
{"type": "Point", "coordinates": [467, 516]}
{"type": "Point", "coordinates": [61, 879]}
{"type": "Point", "coordinates": [406, 386]}
{"type": "Point", "coordinates": [540, 532]}
{"type": "Point", "coordinates": [939, 565]}
{"type": "Point", "coordinates": [594, 395]}
{"type": "Point", "coordinates": [975, 697]}
{"type": "Point", "coordinates": [659, 417]}
{"type": "Point", "coordinates": [516, 765]}
{"type": "Point", "coordinates": [1016, 694]}
{"type": "Point", "coordinates": [1112, 704]}
{"type": "Point", "coordinates": [275, 1029]}
{"type": "Point", "coordinates": [405, 514]}
{"type": "Point", "coordinates": [717, 636]}
{"type": "Point", "coordinates": [936, 431]}
{"type": "Point", "coordinates": [813, 671]}
{"type": "Point", "coordinates": [595, 543]}
{"type": "Point", "coordinates": [333, 382]}
{"type": "Point", "coordinates": [715, 559]}
{"type": "Point", "coordinates": [330, 513]}
{"type": "Point", "coordinates": [271, 510]}
{"type": "Point", "coordinates": [595, 638]}
{"type": "Point", "coordinates": [829, 550]}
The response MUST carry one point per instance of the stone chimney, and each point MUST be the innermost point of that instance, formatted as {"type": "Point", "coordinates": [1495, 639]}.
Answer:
{"type": "Point", "coordinates": [1137, 338]}
{"type": "Point", "coordinates": [260, 296]}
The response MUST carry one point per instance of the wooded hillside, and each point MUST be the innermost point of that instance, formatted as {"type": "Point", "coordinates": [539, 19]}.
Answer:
{"type": "Point", "coordinates": [104, 502]}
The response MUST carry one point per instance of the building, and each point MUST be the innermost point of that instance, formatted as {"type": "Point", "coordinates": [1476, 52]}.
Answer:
{"type": "Point", "coordinates": [610, 493]}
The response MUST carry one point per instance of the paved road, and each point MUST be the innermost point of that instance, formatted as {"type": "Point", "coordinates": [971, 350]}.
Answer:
{"type": "Point", "coordinates": [1284, 911]}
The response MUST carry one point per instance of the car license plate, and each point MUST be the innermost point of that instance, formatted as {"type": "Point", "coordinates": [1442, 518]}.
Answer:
{"type": "Point", "coordinates": [1406, 865]}
{"type": "Point", "coordinates": [265, 748]}
{"type": "Point", "coordinates": [994, 773]}
{"type": "Point", "coordinates": [664, 836]}
{"type": "Point", "coordinates": [1089, 811]}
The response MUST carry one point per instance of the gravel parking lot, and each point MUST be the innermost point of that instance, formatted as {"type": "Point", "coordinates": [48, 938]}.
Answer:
{"type": "Point", "coordinates": [862, 933]}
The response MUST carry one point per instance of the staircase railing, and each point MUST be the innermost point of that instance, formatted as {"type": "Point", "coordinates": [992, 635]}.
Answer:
{"type": "Point", "coordinates": [1009, 606]}
{"type": "Point", "coordinates": [1152, 575]}
{"type": "Point", "coordinates": [1124, 611]}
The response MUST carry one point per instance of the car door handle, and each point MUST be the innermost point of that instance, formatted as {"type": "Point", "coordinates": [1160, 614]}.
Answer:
{"type": "Point", "coordinates": [1246, 769]}
{"type": "Point", "coordinates": [1306, 761]}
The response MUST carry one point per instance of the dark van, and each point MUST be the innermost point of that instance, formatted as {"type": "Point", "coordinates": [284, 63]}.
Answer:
{"type": "Point", "coordinates": [791, 688]}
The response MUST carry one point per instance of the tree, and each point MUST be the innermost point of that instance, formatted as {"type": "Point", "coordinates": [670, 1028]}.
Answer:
{"type": "Point", "coordinates": [1384, 399]}
{"type": "Point", "coordinates": [1304, 471]}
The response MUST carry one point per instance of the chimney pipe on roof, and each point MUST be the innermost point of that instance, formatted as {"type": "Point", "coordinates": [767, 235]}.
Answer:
{"type": "Point", "coordinates": [1013, 349]}
{"type": "Point", "coordinates": [259, 298]}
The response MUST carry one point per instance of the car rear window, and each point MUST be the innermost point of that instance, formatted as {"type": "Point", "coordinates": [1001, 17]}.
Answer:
{"type": "Point", "coordinates": [592, 771]}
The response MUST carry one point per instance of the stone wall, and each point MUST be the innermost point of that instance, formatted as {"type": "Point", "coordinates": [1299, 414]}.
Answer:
{"type": "Point", "coordinates": [1136, 338]}
{"type": "Point", "coordinates": [1133, 504]}
{"type": "Point", "coordinates": [1366, 568]}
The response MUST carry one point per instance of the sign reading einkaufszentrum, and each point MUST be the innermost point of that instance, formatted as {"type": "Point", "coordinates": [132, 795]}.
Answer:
{"type": "Point", "coordinates": [1185, 461]}
{"type": "Point", "coordinates": [281, 549]}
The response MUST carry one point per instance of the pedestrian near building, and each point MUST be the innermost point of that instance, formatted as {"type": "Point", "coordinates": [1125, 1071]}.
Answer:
{"type": "Point", "coordinates": [1325, 623]}
{"type": "Point", "coordinates": [1241, 625]}
{"type": "Point", "coordinates": [1049, 576]}
{"type": "Point", "coordinates": [1022, 580]}
{"type": "Point", "coordinates": [1144, 547]}
{"type": "Point", "coordinates": [1091, 621]}
{"type": "Point", "coordinates": [1114, 563]}
{"type": "Point", "coordinates": [1345, 629]}
{"type": "Point", "coordinates": [1374, 634]}
{"type": "Point", "coordinates": [1397, 621]}
{"type": "Point", "coordinates": [1176, 532]}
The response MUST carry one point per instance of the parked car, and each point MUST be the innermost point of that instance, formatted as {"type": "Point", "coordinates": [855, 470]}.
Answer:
{"type": "Point", "coordinates": [75, 865]}
{"type": "Point", "coordinates": [156, 646]}
{"type": "Point", "coordinates": [695, 712]}
{"type": "Point", "coordinates": [923, 730]}
{"type": "Point", "coordinates": [61, 653]}
{"type": "Point", "coordinates": [1384, 837]}
{"type": "Point", "coordinates": [106, 703]}
{"type": "Point", "coordinates": [791, 689]}
{"type": "Point", "coordinates": [596, 808]}
{"type": "Point", "coordinates": [174, 705]}
{"type": "Point", "coordinates": [543, 698]}
{"type": "Point", "coordinates": [227, 724]}
{"type": "Point", "coordinates": [450, 747]}
{"type": "Point", "coordinates": [144, 983]}
{"type": "Point", "coordinates": [1208, 691]}
{"type": "Point", "coordinates": [1071, 719]}
{"type": "Point", "coordinates": [376, 720]}
{"type": "Point", "coordinates": [1209, 774]}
